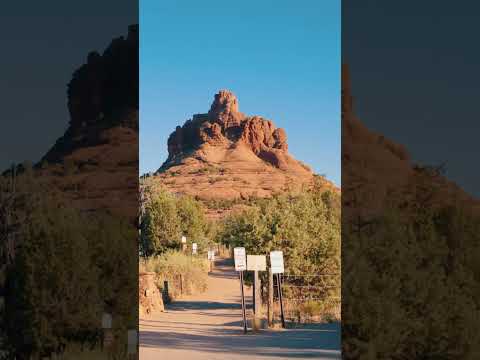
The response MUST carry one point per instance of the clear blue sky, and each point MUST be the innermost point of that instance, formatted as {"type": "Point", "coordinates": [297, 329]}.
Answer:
{"type": "Point", "coordinates": [281, 58]}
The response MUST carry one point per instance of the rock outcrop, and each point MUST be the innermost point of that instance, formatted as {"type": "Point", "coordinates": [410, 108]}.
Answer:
{"type": "Point", "coordinates": [94, 165]}
{"type": "Point", "coordinates": [225, 154]}
{"type": "Point", "coordinates": [150, 298]}
{"type": "Point", "coordinates": [102, 94]}
{"type": "Point", "coordinates": [224, 124]}
{"type": "Point", "coordinates": [378, 172]}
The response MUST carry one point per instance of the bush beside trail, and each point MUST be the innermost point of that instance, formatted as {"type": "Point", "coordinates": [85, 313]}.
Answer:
{"type": "Point", "coordinates": [306, 227]}
{"type": "Point", "coordinates": [185, 274]}
{"type": "Point", "coordinates": [60, 282]}
{"type": "Point", "coordinates": [167, 218]}
{"type": "Point", "coordinates": [412, 280]}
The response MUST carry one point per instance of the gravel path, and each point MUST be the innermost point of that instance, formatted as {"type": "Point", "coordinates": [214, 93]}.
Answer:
{"type": "Point", "coordinates": [208, 326]}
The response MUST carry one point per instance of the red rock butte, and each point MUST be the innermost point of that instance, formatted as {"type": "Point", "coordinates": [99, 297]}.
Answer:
{"type": "Point", "coordinates": [377, 171]}
{"type": "Point", "coordinates": [225, 154]}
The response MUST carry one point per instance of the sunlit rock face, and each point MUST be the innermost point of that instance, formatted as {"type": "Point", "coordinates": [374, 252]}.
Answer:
{"type": "Point", "coordinates": [225, 154]}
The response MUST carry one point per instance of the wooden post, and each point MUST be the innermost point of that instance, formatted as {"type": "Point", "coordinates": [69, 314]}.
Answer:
{"type": "Point", "coordinates": [256, 300]}
{"type": "Point", "coordinates": [270, 297]}
{"type": "Point", "coordinates": [166, 293]}
{"type": "Point", "coordinates": [280, 297]}
{"type": "Point", "coordinates": [256, 294]}
{"type": "Point", "coordinates": [243, 305]}
{"type": "Point", "coordinates": [181, 284]}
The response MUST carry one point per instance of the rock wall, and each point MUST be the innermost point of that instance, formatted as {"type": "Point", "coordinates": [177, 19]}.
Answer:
{"type": "Point", "coordinates": [150, 298]}
{"type": "Point", "coordinates": [103, 93]}
{"type": "Point", "coordinates": [224, 124]}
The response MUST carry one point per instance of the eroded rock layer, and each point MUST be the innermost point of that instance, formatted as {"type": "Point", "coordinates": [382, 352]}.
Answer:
{"type": "Point", "coordinates": [225, 154]}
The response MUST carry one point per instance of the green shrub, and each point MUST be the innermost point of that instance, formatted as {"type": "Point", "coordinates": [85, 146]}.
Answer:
{"type": "Point", "coordinates": [168, 217]}
{"type": "Point", "coordinates": [173, 265]}
{"type": "Point", "coordinates": [61, 280]}
{"type": "Point", "coordinates": [306, 227]}
{"type": "Point", "coordinates": [312, 308]}
{"type": "Point", "coordinates": [411, 283]}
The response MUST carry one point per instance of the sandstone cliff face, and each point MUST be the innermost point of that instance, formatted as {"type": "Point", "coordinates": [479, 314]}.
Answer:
{"type": "Point", "coordinates": [95, 163]}
{"type": "Point", "coordinates": [376, 171]}
{"type": "Point", "coordinates": [103, 93]}
{"type": "Point", "coordinates": [224, 124]}
{"type": "Point", "coordinates": [225, 154]}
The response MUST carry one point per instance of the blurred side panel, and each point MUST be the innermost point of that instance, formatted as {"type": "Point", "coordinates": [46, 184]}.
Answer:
{"type": "Point", "coordinates": [69, 180]}
{"type": "Point", "coordinates": [410, 186]}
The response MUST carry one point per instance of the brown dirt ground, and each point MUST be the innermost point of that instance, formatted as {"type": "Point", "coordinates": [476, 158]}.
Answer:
{"type": "Point", "coordinates": [209, 326]}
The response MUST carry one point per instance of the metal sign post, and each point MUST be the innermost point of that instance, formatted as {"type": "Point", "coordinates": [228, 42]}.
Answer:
{"type": "Point", "coordinates": [211, 258]}
{"type": "Point", "coordinates": [280, 297]}
{"type": "Point", "coordinates": [184, 244]}
{"type": "Point", "coordinates": [194, 249]}
{"type": "Point", "coordinates": [270, 297]}
{"type": "Point", "coordinates": [276, 262]}
{"type": "Point", "coordinates": [241, 266]}
{"type": "Point", "coordinates": [243, 304]}
{"type": "Point", "coordinates": [256, 263]}
{"type": "Point", "coordinates": [107, 335]}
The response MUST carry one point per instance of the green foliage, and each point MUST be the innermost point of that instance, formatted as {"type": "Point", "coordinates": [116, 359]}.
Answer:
{"type": "Point", "coordinates": [412, 285]}
{"type": "Point", "coordinates": [167, 218]}
{"type": "Point", "coordinates": [192, 218]}
{"type": "Point", "coordinates": [160, 225]}
{"type": "Point", "coordinates": [314, 308]}
{"type": "Point", "coordinates": [223, 203]}
{"type": "Point", "coordinates": [52, 273]}
{"type": "Point", "coordinates": [306, 227]}
{"type": "Point", "coordinates": [69, 268]}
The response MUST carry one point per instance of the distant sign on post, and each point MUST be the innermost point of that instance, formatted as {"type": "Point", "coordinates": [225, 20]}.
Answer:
{"type": "Point", "coordinates": [184, 240]}
{"type": "Point", "coordinates": [194, 248]}
{"type": "Point", "coordinates": [256, 262]}
{"type": "Point", "coordinates": [211, 255]}
{"type": "Point", "coordinates": [106, 321]}
{"type": "Point", "coordinates": [276, 261]}
{"type": "Point", "coordinates": [240, 259]}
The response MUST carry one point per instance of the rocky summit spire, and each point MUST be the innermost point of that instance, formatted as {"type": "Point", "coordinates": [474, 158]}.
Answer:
{"type": "Point", "coordinates": [225, 154]}
{"type": "Point", "coordinates": [225, 102]}
{"type": "Point", "coordinates": [224, 125]}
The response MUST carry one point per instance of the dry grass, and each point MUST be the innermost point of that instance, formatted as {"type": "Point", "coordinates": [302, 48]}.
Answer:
{"type": "Point", "coordinates": [185, 274]}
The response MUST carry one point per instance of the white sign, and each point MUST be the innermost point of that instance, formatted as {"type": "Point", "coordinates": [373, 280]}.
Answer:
{"type": "Point", "coordinates": [276, 261]}
{"type": "Point", "coordinates": [194, 248]}
{"type": "Point", "coordinates": [211, 255]}
{"type": "Point", "coordinates": [106, 321]}
{"type": "Point", "coordinates": [256, 262]}
{"type": "Point", "coordinates": [240, 259]}
{"type": "Point", "coordinates": [184, 240]}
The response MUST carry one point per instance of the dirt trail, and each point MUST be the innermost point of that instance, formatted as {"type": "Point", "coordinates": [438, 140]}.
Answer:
{"type": "Point", "coordinates": [208, 326]}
